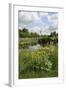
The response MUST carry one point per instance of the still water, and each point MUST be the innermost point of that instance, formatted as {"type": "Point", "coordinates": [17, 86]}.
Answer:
{"type": "Point", "coordinates": [34, 47]}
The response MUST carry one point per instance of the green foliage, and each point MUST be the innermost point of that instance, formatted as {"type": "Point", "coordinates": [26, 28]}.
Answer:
{"type": "Point", "coordinates": [44, 40]}
{"type": "Point", "coordinates": [25, 33]}
{"type": "Point", "coordinates": [48, 39]}
{"type": "Point", "coordinates": [25, 42]}
{"type": "Point", "coordinates": [44, 60]}
{"type": "Point", "coordinates": [25, 30]}
{"type": "Point", "coordinates": [53, 34]}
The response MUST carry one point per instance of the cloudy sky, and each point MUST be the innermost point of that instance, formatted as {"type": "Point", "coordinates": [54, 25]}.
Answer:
{"type": "Point", "coordinates": [40, 22]}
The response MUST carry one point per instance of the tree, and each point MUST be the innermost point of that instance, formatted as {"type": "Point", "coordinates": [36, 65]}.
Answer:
{"type": "Point", "coordinates": [25, 30]}
{"type": "Point", "coordinates": [44, 40]}
{"type": "Point", "coordinates": [23, 33]}
{"type": "Point", "coordinates": [53, 34]}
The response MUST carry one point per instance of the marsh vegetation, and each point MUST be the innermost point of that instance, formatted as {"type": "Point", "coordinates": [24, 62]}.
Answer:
{"type": "Point", "coordinates": [38, 55]}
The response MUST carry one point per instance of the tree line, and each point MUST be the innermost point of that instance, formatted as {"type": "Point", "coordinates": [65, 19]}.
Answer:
{"type": "Point", "coordinates": [42, 39]}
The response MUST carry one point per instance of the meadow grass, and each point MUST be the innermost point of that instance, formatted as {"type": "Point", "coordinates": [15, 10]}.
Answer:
{"type": "Point", "coordinates": [40, 63]}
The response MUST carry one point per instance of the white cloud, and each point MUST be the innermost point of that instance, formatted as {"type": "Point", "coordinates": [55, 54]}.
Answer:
{"type": "Point", "coordinates": [53, 19]}
{"type": "Point", "coordinates": [21, 26]}
{"type": "Point", "coordinates": [35, 29]}
{"type": "Point", "coordinates": [35, 15]}
{"type": "Point", "coordinates": [43, 14]}
{"type": "Point", "coordinates": [40, 30]}
{"type": "Point", "coordinates": [27, 17]}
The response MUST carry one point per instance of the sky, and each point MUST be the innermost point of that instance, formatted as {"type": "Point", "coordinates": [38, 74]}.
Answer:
{"type": "Point", "coordinates": [41, 22]}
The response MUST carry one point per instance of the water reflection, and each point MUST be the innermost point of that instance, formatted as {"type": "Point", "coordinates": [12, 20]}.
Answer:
{"type": "Point", "coordinates": [34, 47]}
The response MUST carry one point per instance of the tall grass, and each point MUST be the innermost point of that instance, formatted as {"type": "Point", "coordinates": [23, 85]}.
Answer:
{"type": "Point", "coordinates": [40, 63]}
